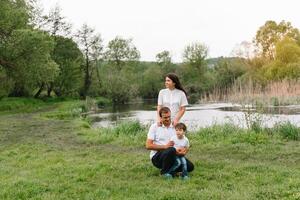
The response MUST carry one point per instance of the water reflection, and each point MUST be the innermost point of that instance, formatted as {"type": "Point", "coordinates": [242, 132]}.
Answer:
{"type": "Point", "coordinates": [282, 110]}
{"type": "Point", "coordinates": [200, 115]}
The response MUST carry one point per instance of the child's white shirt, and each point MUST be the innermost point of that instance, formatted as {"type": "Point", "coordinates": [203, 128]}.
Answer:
{"type": "Point", "coordinates": [180, 143]}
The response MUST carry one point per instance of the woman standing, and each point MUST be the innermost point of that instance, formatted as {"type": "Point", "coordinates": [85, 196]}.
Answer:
{"type": "Point", "coordinates": [173, 97]}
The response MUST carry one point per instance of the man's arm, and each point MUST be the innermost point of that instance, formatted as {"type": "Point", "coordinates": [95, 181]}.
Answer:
{"type": "Point", "coordinates": [151, 146]}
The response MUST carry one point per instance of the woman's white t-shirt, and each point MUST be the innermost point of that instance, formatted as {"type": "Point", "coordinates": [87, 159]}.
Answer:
{"type": "Point", "coordinates": [173, 99]}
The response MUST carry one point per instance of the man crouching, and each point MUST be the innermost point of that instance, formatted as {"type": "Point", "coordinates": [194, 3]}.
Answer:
{"type": "Point", "coordinates": [163, 154]}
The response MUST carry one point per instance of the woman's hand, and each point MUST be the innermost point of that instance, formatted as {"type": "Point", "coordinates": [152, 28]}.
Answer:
{"type": "Point", "coordinates": [176, 121]}
{"type": "Point", "coordinates": [159, 122]}
{"type": "Point", "coordinates": [179, 115]}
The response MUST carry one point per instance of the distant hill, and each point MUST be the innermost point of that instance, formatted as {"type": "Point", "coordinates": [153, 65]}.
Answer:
{"type": "Point", "coordinates": [211, 62]}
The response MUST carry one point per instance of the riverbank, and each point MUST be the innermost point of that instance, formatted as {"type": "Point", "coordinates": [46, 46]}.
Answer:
{"type": "Point", "coordinates": [50, 152]}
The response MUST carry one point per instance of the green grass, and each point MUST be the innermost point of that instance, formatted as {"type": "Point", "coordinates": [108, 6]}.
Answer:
{"type": "Point", "coordinates": [43, 156]}
{"type": "Point", "coordinates": [20, 104]}
{"type": "Point", "coordinates": [288, 131]}
{"type": "Point", "coordinates": [66, 110]}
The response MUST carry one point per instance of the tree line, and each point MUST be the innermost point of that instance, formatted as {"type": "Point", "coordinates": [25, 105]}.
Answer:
{"type": "Point", "coordinates": [40, 55]}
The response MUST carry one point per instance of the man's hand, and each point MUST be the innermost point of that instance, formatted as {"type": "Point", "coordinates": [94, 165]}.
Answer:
{"type": "Point", "coordinates": [169, 144]}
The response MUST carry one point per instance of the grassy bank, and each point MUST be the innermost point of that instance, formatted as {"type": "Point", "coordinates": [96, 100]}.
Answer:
{"type": "Point", "coordinates": [52, 153]}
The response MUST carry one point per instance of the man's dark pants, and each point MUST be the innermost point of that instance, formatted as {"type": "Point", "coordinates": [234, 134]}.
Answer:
{"type": "Point", "coordinates": [165, 159]}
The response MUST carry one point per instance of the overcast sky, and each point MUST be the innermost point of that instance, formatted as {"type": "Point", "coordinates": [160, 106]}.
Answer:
{"type": "Point", "coordinates": [157, 25]}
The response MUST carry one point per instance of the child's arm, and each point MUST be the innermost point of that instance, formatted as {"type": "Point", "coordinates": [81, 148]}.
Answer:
{"type": "Point", "coordinates": [182, 151]}
{"type": "Point", "coordinates": [186, 148]}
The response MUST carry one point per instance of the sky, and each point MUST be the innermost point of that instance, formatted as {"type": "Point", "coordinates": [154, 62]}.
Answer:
{"type": "Point", "coordinates": [158, 25]}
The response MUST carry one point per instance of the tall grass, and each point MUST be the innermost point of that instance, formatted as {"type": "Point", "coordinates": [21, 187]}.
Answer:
{"type": "Point", "coordinates": [284, 92]}
{"type": "Point", "coordinates": [287, 130]}
{"type": "Point", "coordinates": [134, 134]}
{"type": "Point", "coordinates": [130, 133]}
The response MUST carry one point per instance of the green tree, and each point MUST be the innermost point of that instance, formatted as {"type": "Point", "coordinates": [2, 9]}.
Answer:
{"type": "Point", "coordinates": [288, 51]}
{"type": "Point", "coordinates": [164, 60]}
{"type": "Point", "coordinates": [121, 51]}
{"type": "Point", "coordinates": [24, 52]}
{"type": "Point", "coordinates": [270, 33]}
{"type": "Point", "coordinates": [118, 87]}
{"type": "Point", "coordinates": [29, 51]}
{"type": "Point", "coordinates": [56, 24]}
{"type": "Point", "coordinates": [152, 82]}
{"type": "Point", "coordinates": [69, 59]}
{"type": "Point", "coordinates": [13, 15]}
{"type": "Point", "coordinates": [228, 70]}
{"type": "Point", "coordinates": [287, 61]}
{"type": "Point", "coordinates": [195, 55]}
{"type": "Point", "coordinates": [6, 84]}
{"type": "Point", "coordinates": [194, 69]}
{"type": "Point", "coordinates": [37, 18]}
{"type": "Point", "coordinates": [91, 45]}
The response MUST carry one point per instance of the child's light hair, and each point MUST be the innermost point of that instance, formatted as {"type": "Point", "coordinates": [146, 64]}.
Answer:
{"type": "Point", "coordinates": [181, 126]}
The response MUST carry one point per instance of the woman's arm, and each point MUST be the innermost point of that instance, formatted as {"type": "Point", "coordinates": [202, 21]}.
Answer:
{"type": "Point", "coordinates": [179, 115]}
{"type": "Point", "coordinates": [158, 117]}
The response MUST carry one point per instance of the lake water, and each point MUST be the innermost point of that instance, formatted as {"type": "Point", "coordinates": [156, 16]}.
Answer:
{"type": "Point", "coordinates": [198, 115]}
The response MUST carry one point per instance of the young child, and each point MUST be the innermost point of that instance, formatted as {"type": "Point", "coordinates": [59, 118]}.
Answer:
{"type": "Point", "coordinates": [180, 142]}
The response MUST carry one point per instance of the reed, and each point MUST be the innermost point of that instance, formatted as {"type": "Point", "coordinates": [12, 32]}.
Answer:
{"type": "Point", "coordinates": [284, 92]}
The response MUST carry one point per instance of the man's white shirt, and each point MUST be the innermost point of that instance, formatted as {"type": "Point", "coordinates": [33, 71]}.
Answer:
{"type": "Point", "coordinates": [160, 135]}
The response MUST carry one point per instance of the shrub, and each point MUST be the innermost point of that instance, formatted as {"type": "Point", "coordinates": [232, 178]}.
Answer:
{"type": "Point", "coordinates": [101, 102]}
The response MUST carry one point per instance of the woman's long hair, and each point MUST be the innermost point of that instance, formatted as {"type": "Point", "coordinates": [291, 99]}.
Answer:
{"type": "Point", "coordinates": [175, 79]}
